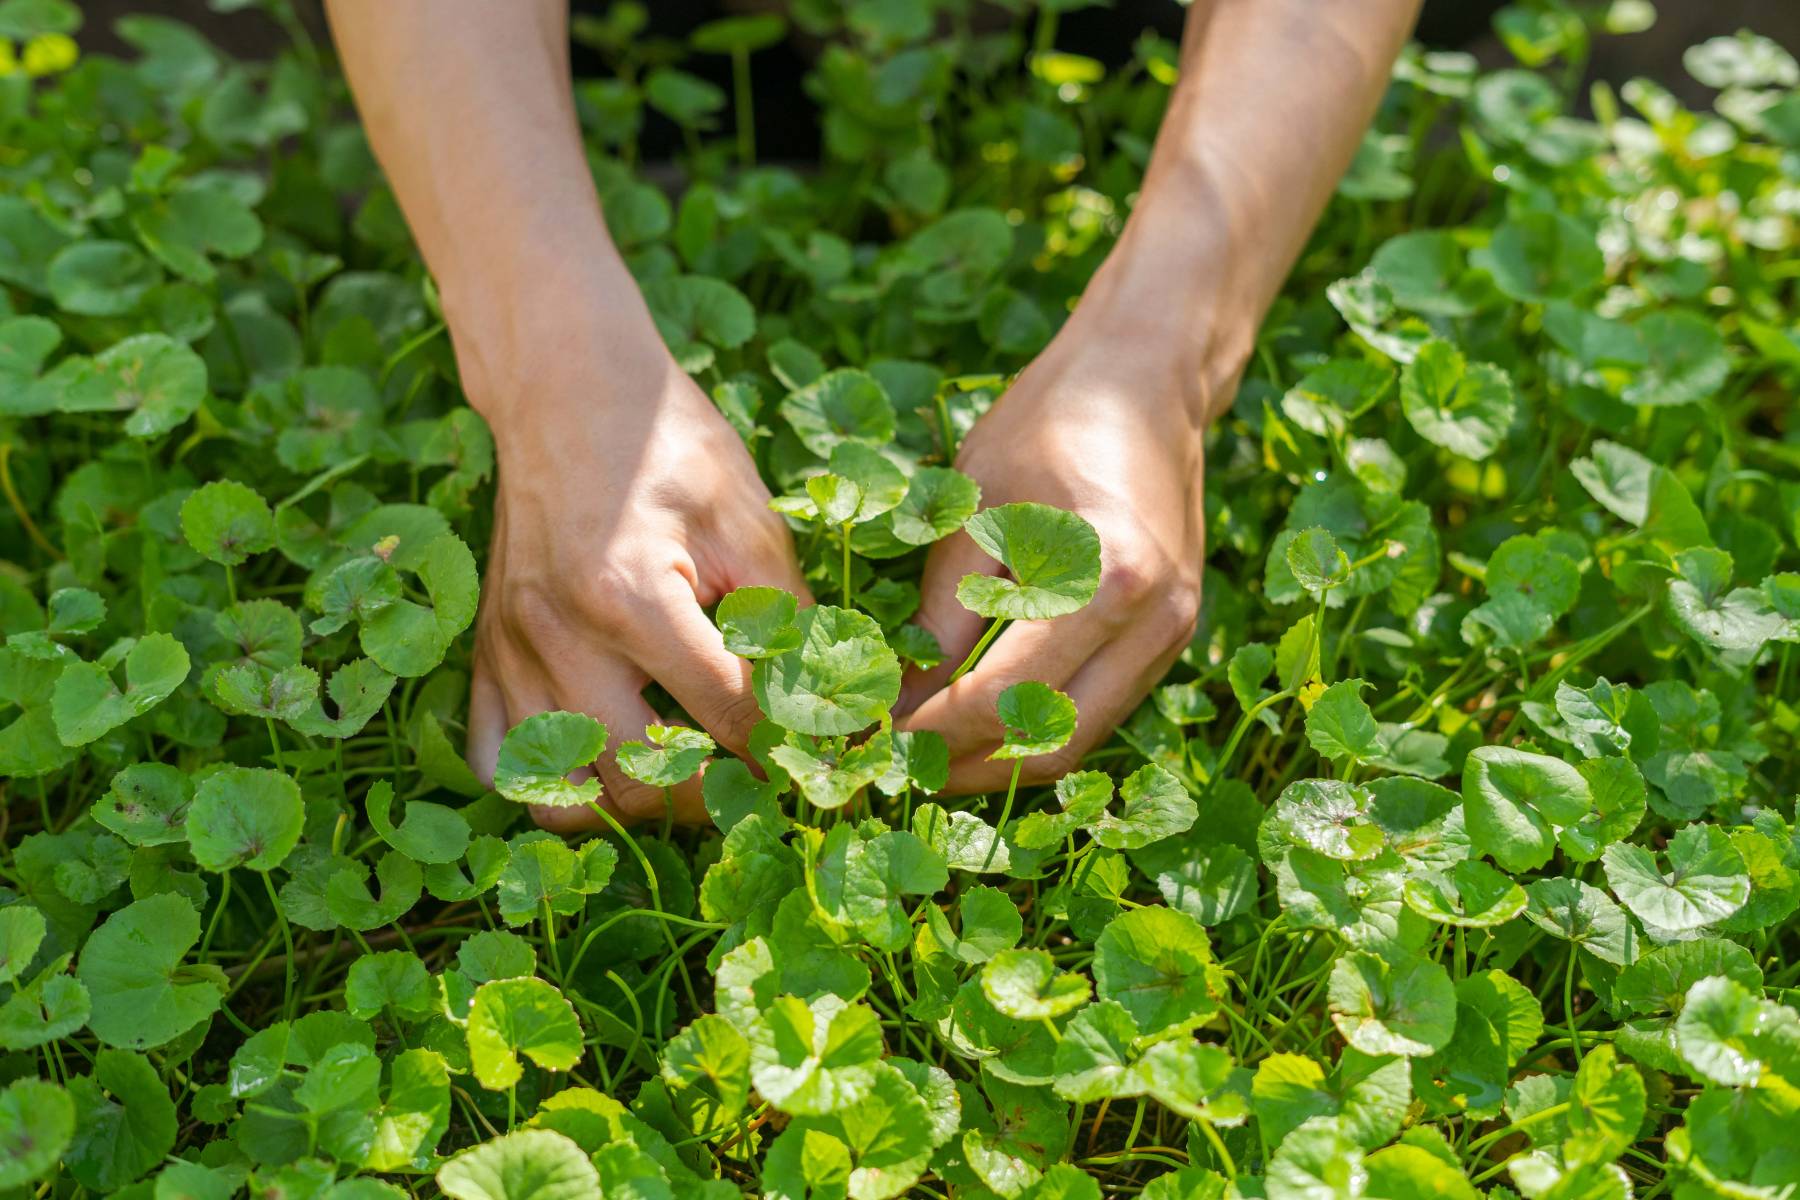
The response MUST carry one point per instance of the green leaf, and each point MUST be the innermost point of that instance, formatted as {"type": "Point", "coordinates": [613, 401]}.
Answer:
{"type": "Point", "coordinates": [526, 1164]}
{"type": "Point", "coordinates": [21, 933]}
{"type": "Point", "coordinates": [830, 775]}
{"type": "Point", "coordinates": [758, 622]}
{"type": "Point", "coordinates": [840, 406]}
{"type": "Point", "coordinates": [245, 816]}
{"type": "Point", "coordinates": [1606, 1108]}
{"type": "Point", "coordinates": [1095, 1057]}
{"type": "Point", "coordinates": [1024, 984]}
{"type": "Point", "coordinates": [1658, 982]}
{"type": "Point", "coordinates": [88, 704]}
{"type": "Point", "coordinates": [1052, 555]}
{"type": "Point", "coordinates": [414, 1114]}
{"type": "Point", "coordinates": [1731, 1036]}
{"type": "Point", "coordinates": [696, 315]}
{"type": "Point", "coordinates": [878, 485]}
{"type": "Point", "coordinates": [1403, 1006]}
{"type": "Point", "coordinates": [1156, 806]}
{"type": "Point", "coordinates": [125, 1122]}
{"type": "Point", "coordinates": [409, 639]}
{"type": "Point", "coordinates": [990, 924]}
{"type": "Point", "coordinates": [1035, 719]}
{"type": "Point", "coordinates": [146, 805]}
{"type": "Point", "coordinates": [1541, 256]}
{"type": "Point", "coordinates": [429, 833]}
{"type": "Point", "coordinates": [1471, 895]}
{"type": "Point", "coordinates": [1575, 912]}
{"type": "Point", "coordinates": [814, 1059]}
{"type": "Point", "coordinates": [1158, 963]}
{"type": "Point", "coordinates": [155, 378]}
{"type": "Point", "coordinates": [1412, 1173]}
{"type": "Point", "coordinates": [1340, 726]}
{"type": "Point", "coordinates": [37, 1122]}
{"type": "Point", "coordinates": [226, 522]}
{"type": "Point", "coordinates": [674, 754]}
{"type": "Point", "coordinates": [347, 898]}
{"type": "Point", "coordinates": [1465, 408]}
{"type": "Point", "coordinates": [1706, 881]}
{"type": "Point", "coordinates": [391, 983]}
{"type": "Point", "coordinates": [100, 278]}
{"type": "Point", "coordinates": [1515, 801]}
{"type": "Point", "coordinates": [131, 966]}
{"type": "Point", "coordinates": [1316, 1162]}
{"type": "Point", "coordinates": [938, 502]}
{"type": "Point", "coordinates": [841, 679]}
{"type": "Point", "coordinates": [358, 689]}
{"type": "Point", "coordinates": [514, 1017]}
{"type": "Point", "coordinates": [1316, 562]}
{"type": "Point", "coordinates": [539, 753]}
{"type": "Point", "coordinates": [1687, 362]}
{"type": "Point", "coordinates": [707, 1068]}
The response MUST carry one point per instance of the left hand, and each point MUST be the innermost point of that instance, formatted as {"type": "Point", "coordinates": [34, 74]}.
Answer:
{"type": "Point", "coordinates": [1109, 424]}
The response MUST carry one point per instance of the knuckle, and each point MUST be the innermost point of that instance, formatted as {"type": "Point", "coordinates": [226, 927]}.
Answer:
{"type": "Point", "coordinates": [1133, 576]}
{"type": "Point", "coordinates": [529, 609]}
{"type": "Point", "coordinates": [559, 820]}
{"type": "Point", "coordinates": [735, 715]}
{"type": "Point", "coordinates": [635, 801]}
{"type": "Point", "coordinates": [1173, 613]}
{"type": "Point", "coordinates": [605, 602]}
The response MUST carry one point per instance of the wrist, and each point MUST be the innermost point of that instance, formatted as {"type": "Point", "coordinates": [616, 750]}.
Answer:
{"type": "Point", "coordinates": [1167, 307]}
{"type": "Point", "coordinates": [532, 339]}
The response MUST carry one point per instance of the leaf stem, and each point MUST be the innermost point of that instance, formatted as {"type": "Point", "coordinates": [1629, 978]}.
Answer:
{"type": "Point", "coordinates": [212, 924]}
{"type": "Point", "coordinates": [1569, 1005]}
{"type": "Point", "coordinates": [287, 941]}
{"type": "Point", "coordinates": [1012, 787]}
{"type": "Point", "coordinates": [18, 506]}
{"type": "Point", "coordinates": [993, 631]}
{"type": "Point", "coordinates": [844, 533]}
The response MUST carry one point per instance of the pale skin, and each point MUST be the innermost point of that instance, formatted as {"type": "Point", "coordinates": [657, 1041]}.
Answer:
{"type": "Point", "coordinates": [626, 503]}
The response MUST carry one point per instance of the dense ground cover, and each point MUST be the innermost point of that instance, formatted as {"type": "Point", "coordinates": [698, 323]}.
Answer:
{"type": "Point", "coordinates": [1455, 857]}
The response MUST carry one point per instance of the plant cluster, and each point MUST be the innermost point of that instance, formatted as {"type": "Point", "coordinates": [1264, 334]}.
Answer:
{"type": "Point", "coordinates": [1455, 858]}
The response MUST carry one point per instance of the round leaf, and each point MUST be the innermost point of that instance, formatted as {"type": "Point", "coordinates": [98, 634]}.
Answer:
{"type": "Point", "coordinates": [1052, 555]}
{"type": "Point", "coordinates": [245, 816]}
{"type": "Point", "coordinates": [142, 995]}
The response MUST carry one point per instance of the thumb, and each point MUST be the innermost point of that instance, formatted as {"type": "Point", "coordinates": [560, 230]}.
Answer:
{"type": "Point", "coordinates": [942, 615]}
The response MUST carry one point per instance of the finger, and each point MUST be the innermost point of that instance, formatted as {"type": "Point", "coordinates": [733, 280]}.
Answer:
{"type": "Point", "coordinates": [487, 725]}
{"type": "Point", "coordinates": [737, 554]}
{"type": "Point", "coordinates": [775, 565]}
{"type": "Point", "coordinates": [686, 654]}
{"type": "Point", "coordinates": [942, 615]}
{"type": "Point", "coordinates": [1050, 652]}
{"type": "Point", "coordinates": [1106, 690]}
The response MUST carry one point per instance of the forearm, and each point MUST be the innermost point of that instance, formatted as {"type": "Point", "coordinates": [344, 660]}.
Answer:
{"type": "Point", "coordinates": [1271, 105]}
{"type": "Point", "coordinates": [469, 108]}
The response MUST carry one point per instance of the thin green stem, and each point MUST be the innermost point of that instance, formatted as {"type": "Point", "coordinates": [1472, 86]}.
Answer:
{"type": "Point", "coordinates": [844, 533]}
{"type": "Point", "coordinates": [212, 925]}
{"type": "Point", "coordinates": [993, 631]}
{"type": "Point", "coordinates": [1012, 788]}
{"type": "Point", "coordinates": [287, 942]}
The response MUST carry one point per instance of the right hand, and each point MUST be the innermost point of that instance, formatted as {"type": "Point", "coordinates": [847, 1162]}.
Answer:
{"type": "Point", "coordinates": [626, 505]}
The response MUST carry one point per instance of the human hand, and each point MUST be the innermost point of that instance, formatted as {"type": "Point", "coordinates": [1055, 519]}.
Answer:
{"type": "Point", "coordinates": [1108, 423]}
{"type": "Point", "coordinates": [626, 505]}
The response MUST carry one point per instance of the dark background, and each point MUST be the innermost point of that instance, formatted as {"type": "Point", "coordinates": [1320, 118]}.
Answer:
{"type": "Point", "coordinates": [786, 125]}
